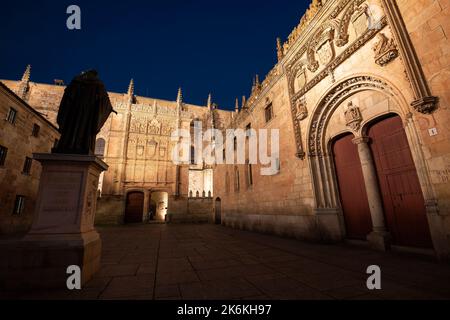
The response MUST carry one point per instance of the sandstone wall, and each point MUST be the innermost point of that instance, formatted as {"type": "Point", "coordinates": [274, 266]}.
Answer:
{"type": "Point", "coordinates": [18, 139]}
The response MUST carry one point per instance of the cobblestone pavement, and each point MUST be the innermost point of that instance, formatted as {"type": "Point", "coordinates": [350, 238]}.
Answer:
{"type": "Point", "coordinates": [190, 262]}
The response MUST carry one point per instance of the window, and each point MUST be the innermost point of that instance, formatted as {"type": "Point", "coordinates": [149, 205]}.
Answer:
{"type": "Point", "coordinates": [237, 183]}
{"type": "Point", "coordinates": [247, 130]}
{"type": "Point", "coordinates": [3, 153]}
{"type": "Point", "coordinates": [100, 147]}
{"type": "Point", "coordinates": [269, 112]}
{"type": "Point", "coordinates": [11, 116]}
{"type": "Point", "coordinates": [36, 130]}
{"type": "Point", "coordinates": [193, 162]}
{"type": "Point", "coordinates": [27, 165]}
{"type": "Point", "coordinates": [19, 205]}
{"type": "Point", "coordinates": [249, 175]}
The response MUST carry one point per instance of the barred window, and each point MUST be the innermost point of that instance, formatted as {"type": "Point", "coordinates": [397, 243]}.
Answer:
{"type": "Point", "coordinates": [3, 153]}
{"type": "Point", "coordinates": [269, 113]}
{"type": "Point", "coordinates": [19, 205]}
{"type": "Point", "coordinates": [36, 130]}
{"type": "Point", "coordinates": [27, 166]}
{"type": "Point", "coordinates": [11, 116]}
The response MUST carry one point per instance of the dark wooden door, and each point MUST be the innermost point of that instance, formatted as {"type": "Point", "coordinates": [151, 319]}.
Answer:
{"type": "Point", "coordinates": [403, 200]}
{"type": "Point", "coordinates": [134, 208]}
{"type": "Point", "coordinates": [352, 189]}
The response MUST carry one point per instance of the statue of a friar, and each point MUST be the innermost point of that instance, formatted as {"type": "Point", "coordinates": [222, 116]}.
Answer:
{"type": "Point", "coordinates": [84, 109]}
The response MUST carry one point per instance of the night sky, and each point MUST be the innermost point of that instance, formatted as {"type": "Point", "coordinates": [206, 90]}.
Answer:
{"type": "Point", "coordinates": [202, 46]}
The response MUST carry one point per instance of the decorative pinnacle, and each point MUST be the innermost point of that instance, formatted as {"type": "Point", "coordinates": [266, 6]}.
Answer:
{"type": "Point", "coordinates": [131, 88]}
{"type": "Point", "coordinates": [280, 52]}
{"type": "Point", "coordinates": [180, 96]}
{"type": "Point", "coordinates": [244, 101]}
{"type": "Point", "coordinates": [236, 108]}
{"type": "Point", "coordinates": [209, 103]}
{"type": "Point", "coordinates": [27, 74]}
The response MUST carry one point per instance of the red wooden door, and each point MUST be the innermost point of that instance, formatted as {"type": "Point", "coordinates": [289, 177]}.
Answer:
{"type": "Point", "coordinates": [403, 200]}
{"type": "Point", "coordinates": [352, 189]}
{"type": "Point", "coordinates": [134, 208]}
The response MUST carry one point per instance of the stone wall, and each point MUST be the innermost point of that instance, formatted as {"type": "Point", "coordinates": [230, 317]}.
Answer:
{"type": "Point", "coordinates": [21, 143]}
{"type": "Point", "coordinates": [199, 210]}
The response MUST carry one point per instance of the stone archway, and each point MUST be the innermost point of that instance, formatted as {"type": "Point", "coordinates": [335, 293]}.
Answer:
{"type": "Point", "coordinates": [323, 128]}
{"type": "Point", "coordinates": [161, 201]}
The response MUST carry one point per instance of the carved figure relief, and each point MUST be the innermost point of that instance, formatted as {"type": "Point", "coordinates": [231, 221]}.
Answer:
{"type": "Point", "coordinates": [360, 20]}
{"type": "Point", "coordinates": [151, 148]}
{"type": "Point", "coordinates": [385, 50]}
{"type": "Point", "coordinates": [325, 49]}
{"type": "Point", "coordinates": [300, 80]}
{"type": "Point", "coordinates": [302, 110]}
{"type": "Point", "coordinates": [353, 117]}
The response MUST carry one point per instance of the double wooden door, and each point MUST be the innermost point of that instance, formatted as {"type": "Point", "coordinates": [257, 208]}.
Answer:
{"type": "Point", "coordinates": [403, 201]}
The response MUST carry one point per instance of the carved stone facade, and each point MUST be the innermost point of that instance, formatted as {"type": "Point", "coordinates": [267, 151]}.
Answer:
{"type": "Point", "coordinates": [137, 145]}
{"type": "Point", "coordinates": [337, 75]}
{"type": "Point", "coordinates": [347, 67]}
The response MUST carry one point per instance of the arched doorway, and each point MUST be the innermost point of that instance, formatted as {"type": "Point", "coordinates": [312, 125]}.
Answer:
{"type": "Point", "coordinates": [161, 201]}
{"type": "Point", "coordinates": [152, 209]}
{"type": "Point", "coordinates": [218, 211]}
{"type": "Point", "coordinates": [134, 207]}
{"type": "Point", "coordinates": [352, 190]}
{"type": "Point", "coordinates": [403, 200]}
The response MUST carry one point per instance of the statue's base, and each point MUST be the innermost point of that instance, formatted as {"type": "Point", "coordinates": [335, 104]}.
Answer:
{"type": "Point", "coordinates": [42, 262]}
{"type": "Point", "coordinates": [62, 234]}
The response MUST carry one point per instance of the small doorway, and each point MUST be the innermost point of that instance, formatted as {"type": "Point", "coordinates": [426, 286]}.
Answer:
{"type": "Point", "coordinates": [218, 211]}
{"type": "Point", "coordinates": [352, 190]}
{"type": "Point", "coordinates": [134, 207]}
{"type": "Point", "coordinates": [160, 200]}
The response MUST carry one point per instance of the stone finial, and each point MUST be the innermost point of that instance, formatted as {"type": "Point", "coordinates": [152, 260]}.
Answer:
{"type": "Point", "coordinates": [24, 85]}
{"type": "Point", "coordinates": [180, 96]}
{"type": "Point", "coordinates": [280, 52]}
{"type": "Point", "coordinates": [131, 88]}
{"type": "Point", "coordinates": [236, 107]}
{"type": "Point", "coordinates": [204, 194]}
{"type": "Point", "coordinates": [209, 194]}
{"type": "Point", "coordinates": [244, 102]}
{"type": "Point", "coordinates": [130, 92]}
{"type": "Point", "coordinates": [27, 74]}
{"type": "Point", "coordinates": [209, 103]}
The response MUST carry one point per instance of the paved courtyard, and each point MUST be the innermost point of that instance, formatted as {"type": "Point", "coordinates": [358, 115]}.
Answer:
{"type": "Point", "coordinates": [193, 262]}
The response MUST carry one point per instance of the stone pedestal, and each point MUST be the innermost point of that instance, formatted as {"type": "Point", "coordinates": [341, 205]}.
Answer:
{"type": "Point", "coordinates": [63, 231]}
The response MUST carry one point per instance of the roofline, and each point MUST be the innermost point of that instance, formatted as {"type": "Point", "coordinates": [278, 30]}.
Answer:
{"type": "Point", "coordinates": [137, 96]}
{"type": "Point", "coordinates": [23, 102]}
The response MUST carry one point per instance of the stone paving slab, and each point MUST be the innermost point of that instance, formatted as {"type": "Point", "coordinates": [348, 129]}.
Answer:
{"type": "Point", "coordinates": [207, 262]}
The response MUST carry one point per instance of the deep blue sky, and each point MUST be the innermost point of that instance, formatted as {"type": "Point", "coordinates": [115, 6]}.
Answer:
{"type": "Point", "coordinates": [203, 46]}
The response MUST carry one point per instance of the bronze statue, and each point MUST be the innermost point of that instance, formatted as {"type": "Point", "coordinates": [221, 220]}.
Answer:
{"type": "Point", "coordinates": [84, 109]}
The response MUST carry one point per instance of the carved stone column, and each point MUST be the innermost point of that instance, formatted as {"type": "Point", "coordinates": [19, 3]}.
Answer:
{"type": "Point", "coordinates": [379, 239]}
{"type": "Point", "coordinates": [425, 102]}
